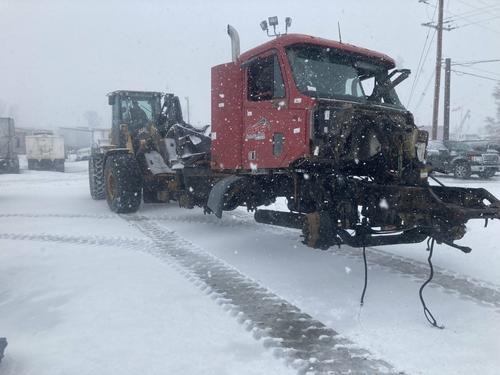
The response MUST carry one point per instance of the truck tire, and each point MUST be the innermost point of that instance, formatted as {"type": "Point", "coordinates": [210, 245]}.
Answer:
{"type": "Point", "coordinates": [96, 177]}
{"type": "Point", "coordinates": [461, 170]}
{"type": "Point", "coordinates": [123, 183]}
{"type": "Point", "coordinates": [59, 165]}
{"type": "Point", "coordinates": [487, 174]}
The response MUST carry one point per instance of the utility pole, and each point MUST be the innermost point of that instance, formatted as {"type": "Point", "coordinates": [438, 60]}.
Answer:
{"type": "Point", "coordinates": [447, 78]}
{"type": "Point", "coordinates": [187, 107]}
{"type": "Point", "coordinates": [439, 49]}
{"type": "Point", "coordinates": [437, 83]}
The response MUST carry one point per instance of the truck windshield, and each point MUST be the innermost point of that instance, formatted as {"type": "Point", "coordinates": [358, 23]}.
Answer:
{"type": "Point", "coordinates": [327, 73]}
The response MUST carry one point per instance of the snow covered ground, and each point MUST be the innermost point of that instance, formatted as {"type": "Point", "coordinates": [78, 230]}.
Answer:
{"type": "Point", "coordinates": [85, 291]}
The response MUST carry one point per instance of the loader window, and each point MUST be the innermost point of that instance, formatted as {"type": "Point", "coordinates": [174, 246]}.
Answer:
{"type": "Point", "coordinates": [264, 79]}
{"type": "Point", "coordinates": [137, 109]}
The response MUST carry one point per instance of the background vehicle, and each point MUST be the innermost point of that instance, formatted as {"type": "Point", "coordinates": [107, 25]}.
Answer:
{"type": "Point", "coordinates": [485, 145]}
{"type": "Point", "coordinates": [83, 154]}
{"type": "Point", "coordinates": [291, 118]}
{"type": "Point", "coordinates": [45, 152]}
{"type": "Point", "coordinates": [461, 159]}
{"type": "Point", "coordinates": [9, 161]}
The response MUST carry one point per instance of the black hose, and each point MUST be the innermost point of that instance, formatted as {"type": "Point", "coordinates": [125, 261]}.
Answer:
{"type": "Point", "coordinates": [428, 315]}
{"type": "Point", "coordinates": [366, 277]}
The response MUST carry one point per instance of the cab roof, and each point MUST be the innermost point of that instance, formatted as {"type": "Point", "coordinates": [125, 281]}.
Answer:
{"type": "Point", "coordinates": [131, 92]}
{"type": "Point", "coordinates": [291, 39]}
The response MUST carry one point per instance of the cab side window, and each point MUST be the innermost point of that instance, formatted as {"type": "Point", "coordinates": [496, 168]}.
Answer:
{"type": "Point", "coordinates": [264, 79]}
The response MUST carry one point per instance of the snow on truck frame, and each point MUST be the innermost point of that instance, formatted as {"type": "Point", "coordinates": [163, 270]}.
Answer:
{"type": "Point", "coordinates": [291, 118]}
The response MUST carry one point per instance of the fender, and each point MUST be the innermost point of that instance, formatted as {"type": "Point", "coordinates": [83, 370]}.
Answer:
{"type": "Point", "coordinates": [219, 197]}
{"type": "Point", "coordinates": [458, 159]}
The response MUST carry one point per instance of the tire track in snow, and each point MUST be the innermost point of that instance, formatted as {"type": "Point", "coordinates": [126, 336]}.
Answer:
{"type": "Point", "coordinates": [130, 243]}
{"type": "Point", "coordinates": [468, 288]}
{"type": "Point", "coordinates": [62, 216]}
{"type": "Point", "coordinates": [304, 342]}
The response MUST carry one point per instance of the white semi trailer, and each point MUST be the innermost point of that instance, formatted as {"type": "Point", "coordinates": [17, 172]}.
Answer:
{"type": "Point", "coordinates": [45, 152]}
{"type": "Point", "coordinates": [9, 162]}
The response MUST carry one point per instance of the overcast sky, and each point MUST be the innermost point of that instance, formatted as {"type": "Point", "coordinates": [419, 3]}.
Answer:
{"type": "Point", "coordinates": [60, 58]}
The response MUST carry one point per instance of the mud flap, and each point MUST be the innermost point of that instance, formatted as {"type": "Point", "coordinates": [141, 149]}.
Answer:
{"type": "Point", "coordinates": [217, 196]}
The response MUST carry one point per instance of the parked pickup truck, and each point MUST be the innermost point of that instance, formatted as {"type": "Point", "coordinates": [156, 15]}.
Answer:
{"type": "Point", "coordinates": [461, 159]}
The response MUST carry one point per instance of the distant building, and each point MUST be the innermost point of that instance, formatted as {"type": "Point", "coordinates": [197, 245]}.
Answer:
{"type": "Point", "coordinates": [77, 138]}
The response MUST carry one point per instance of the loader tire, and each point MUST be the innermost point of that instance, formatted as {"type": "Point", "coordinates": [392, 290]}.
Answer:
{"type": "Point", "coordinates": [123, 183]}
{"type": "Point", "coordinates": [96, 177]}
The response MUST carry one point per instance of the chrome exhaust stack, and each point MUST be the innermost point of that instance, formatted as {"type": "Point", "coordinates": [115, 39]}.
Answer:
{"type": "Point", "coordinates": [235, 42]}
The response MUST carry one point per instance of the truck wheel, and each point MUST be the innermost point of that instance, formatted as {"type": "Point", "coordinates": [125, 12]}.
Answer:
{"type": "Point", "coordinates": [491, 172]}
{"type": "Point", "coordinates": [59, 165]}
{"type": "Point", "coordinates": [96, 177]}
{"type": "Point", "coordinates": [462, 170]}
{"type": "Point", "coordinates": [123, 183]}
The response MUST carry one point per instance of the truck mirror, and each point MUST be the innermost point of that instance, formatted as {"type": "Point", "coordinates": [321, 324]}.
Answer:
{"type": "Point", "coordinates": [111, 100]}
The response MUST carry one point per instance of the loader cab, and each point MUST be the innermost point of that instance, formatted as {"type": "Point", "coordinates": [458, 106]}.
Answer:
{"type": "Point", "coordinates": [132, 111]}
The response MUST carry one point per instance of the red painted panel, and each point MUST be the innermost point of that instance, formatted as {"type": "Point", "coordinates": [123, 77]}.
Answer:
{"type": "Point", "coordinates": [227, 129]}
{"type": "Point", "coordinates": [263, 120]}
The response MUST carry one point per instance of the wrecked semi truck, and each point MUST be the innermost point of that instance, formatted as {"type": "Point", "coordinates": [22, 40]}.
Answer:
{"type": "Point", "coordinates": [45, 152]}
{"type": "Point", "coordinates": [315, 121]}
{"type": "Point", "coordinates": [9, 161]}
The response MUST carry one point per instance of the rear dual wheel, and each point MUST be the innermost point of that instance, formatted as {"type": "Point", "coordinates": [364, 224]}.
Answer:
{"type": "Point", "coordinates": [123, 183]}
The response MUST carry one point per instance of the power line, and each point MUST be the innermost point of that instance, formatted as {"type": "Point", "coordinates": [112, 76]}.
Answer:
{"type": "Point", "coordinates": [422, 59]}
{"type": "Point", "coordinates": [478, 24]}
{"type": "Point", "coordinates": [465, 18]}
{"type": "Point", "coordinates": [473, 62]}
{"type": "Point", "coordinates": [480, 21]}
{"type": "Point", "coordinates": [483, 70]}
{"type": "Point", "coordinates": [422, 96]}
{"type": "Point", "coordinates": [459, 72]}
{"type": "Point", "coordinates": [472, 13]}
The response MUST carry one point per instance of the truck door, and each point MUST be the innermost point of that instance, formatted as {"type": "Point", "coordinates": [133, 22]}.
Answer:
{"type": "Point", "coordinates": [272, 133]}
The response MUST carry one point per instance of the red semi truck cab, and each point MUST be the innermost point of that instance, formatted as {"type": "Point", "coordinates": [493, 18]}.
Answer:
{"type": "Point", "coordinates": [263, 102]}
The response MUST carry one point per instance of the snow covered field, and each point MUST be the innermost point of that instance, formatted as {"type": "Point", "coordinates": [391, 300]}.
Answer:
{"type": "Point", "coordinates": [85, 291]}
